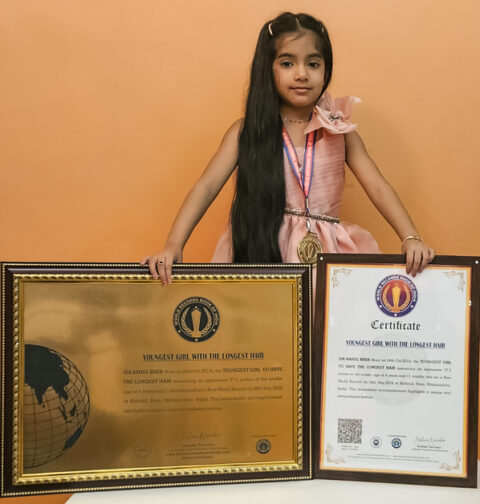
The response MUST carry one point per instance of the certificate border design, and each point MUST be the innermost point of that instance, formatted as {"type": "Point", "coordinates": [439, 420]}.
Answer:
{"type": "Point", "coordinates": [14, 483]}
{"type": "Point", "coordinates": [469, 479]}
{"type": "Point", "coordinates": [329, 277]}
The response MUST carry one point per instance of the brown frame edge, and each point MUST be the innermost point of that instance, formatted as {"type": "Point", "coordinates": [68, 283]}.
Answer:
{"type": "Point", "coordinates": [8, 269]}
{"type": "Point", "coordinates": [473, 386]}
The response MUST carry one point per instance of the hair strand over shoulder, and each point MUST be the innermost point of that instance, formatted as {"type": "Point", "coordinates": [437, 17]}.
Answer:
{"type": "Point", "coordinates": [259, 203]}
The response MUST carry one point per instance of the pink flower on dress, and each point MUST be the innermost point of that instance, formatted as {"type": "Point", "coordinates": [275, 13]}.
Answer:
{"type": "Point", "coordinates": [332, 114]}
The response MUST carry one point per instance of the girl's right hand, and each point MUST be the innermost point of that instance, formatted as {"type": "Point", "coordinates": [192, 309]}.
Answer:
{"type": "Point", "coordinates": [160, 264]}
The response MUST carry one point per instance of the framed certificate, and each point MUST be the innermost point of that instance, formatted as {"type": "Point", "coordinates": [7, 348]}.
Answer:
{"type": "Point", "coordinates": [396, 365]}
{"type": "Point", "coordinates": [110, 380]}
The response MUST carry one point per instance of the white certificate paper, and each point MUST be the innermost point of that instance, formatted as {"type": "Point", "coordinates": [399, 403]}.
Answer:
{"type": "Point", "coordinates": [395, 370]}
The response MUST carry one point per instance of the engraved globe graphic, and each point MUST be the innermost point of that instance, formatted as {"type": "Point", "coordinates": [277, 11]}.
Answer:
{"type": "Point", "coordinates": [56, 405]}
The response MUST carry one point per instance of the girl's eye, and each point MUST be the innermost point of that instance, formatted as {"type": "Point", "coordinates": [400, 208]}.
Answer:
{"type": "Point", "coordinates": [286, 64]}
{"type": "Point", "coordinates": [314, 64]}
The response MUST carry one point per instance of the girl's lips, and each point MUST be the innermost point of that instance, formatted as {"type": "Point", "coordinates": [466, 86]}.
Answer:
{"type": "Point", "coordinates": [301, 90]}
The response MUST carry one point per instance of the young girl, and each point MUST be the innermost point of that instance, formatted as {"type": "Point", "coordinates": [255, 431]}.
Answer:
{"type": "Point", "coordinates": [289, 151]}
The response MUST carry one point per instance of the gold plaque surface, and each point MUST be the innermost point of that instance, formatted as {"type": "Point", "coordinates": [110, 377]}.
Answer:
{"type": "Point", "coordinates": [120, 377]}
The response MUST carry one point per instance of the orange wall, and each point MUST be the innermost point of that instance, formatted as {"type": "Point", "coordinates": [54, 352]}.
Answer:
{"type": "Point", "coordinates": [46, 499]}
{"type": "Point", "coordinates": [111, 109]}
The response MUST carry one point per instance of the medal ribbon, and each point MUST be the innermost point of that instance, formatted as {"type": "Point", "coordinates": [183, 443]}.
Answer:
{"type": "Point", "coordinates": [304, 177]}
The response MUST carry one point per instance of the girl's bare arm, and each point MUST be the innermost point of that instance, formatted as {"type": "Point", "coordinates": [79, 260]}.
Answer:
{"type": "Point", "coordinates": [195, 205]}
{"type": "Point", "coordinates": [384, 197]}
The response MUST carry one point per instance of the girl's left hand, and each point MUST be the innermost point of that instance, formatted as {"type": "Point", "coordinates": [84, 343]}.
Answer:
{"type": "Point", "coordinates": [418, 256]}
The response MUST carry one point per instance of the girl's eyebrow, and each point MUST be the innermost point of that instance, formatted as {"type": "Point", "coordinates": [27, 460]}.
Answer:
{"type": "Point", "coordinates": [288, 55]}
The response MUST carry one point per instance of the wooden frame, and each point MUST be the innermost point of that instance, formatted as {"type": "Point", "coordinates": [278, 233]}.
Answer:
{"type": "Point", "coordinates": [27, 285]}
{"type": "Point", "coordinates": [329, 263]}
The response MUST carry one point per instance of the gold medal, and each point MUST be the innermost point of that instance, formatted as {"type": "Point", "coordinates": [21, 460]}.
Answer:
{"type": "Point", "coordinates": [308, 248]}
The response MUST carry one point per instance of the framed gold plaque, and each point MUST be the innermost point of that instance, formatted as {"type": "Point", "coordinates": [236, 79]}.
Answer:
{"type": "Point", "coordinates": [111, 380]}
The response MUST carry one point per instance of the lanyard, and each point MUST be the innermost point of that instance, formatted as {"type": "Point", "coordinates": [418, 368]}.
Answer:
{"type": "Point", "coordinates": [304, 176]}
{"type": "Point", "coordinates": [309, 246]}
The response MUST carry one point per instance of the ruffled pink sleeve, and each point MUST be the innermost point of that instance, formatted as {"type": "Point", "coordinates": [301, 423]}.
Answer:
{"type": "Point", "coordinates": [332, 114]}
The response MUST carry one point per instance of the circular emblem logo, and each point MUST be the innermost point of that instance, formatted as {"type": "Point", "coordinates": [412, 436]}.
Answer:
{"type": "Point", "coordinates": [376, 442]}
{"type": "Point", "coordinates": [396, 443]}
{"type": "Point", "coordinates": [263, 446]}
{"type": "Point", "coordinates": [396, 295]}
{"type": "Point", "coordinates": [196, 319]}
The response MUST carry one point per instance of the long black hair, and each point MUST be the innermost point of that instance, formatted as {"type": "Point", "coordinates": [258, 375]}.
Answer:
{"type": "Point", "coordinates": [259, 203]}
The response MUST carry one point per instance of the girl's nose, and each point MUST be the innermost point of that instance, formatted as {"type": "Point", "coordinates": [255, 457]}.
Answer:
{"type": "Point", "coordinates": [301, 72]}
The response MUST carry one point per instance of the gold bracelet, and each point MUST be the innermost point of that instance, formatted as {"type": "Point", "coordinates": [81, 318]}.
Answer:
{"type": "Point", "coordinates": [410, 237]}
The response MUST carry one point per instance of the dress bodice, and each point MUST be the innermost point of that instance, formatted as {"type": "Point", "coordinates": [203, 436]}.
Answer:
{"type": "Point", "coordinates": [330, 119]}
{"type": "Point", "coordinates": [328, 177]}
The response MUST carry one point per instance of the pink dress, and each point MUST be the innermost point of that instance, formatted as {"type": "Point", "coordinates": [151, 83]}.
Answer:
{"type": "Point", "coordinates": [330, 117]}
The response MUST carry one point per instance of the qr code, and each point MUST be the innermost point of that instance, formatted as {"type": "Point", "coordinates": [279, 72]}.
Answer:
{"type": "Point", "coordinates": [349, 430]}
